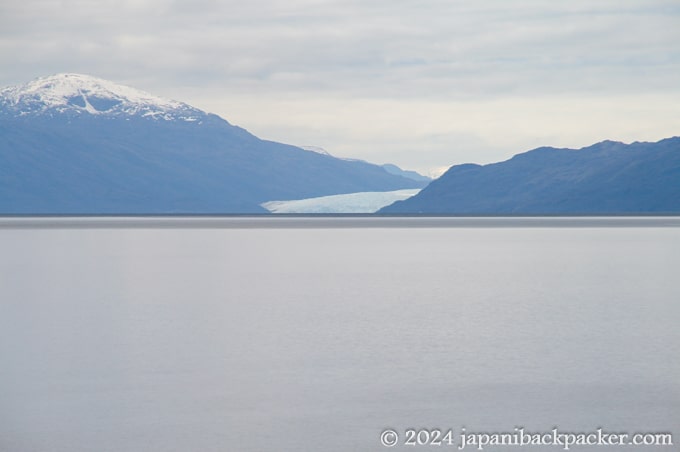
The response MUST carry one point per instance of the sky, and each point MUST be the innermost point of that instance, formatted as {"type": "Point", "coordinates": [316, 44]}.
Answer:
{"type": "Point", "coordinates": [422, 84]}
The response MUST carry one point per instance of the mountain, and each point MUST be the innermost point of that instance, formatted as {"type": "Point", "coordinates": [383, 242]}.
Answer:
{"type": "Point", "coordinates": [394, 169]}
{"type": "Point", "coordinates": [75, 144]}
{"type": "Point", "coordinates": [316, 149]}
{"type": "Point", "coordinates": [389, 167]}
{"type": "Point", "coordinates": [605, 178]}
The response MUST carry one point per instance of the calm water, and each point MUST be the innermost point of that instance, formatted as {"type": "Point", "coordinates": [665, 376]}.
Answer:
{"type": "Point", "coordinates": [255, 335]}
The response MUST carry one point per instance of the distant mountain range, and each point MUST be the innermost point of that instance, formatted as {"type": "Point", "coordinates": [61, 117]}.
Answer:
{"type": "Point", "coordinates": [605, 178]}
{"type": "Point", "coordinates": [74, 144]}
{"type": "Point", "coordinates": [394, 169]}
{"type": "Point", "coordinates": [389, 167]}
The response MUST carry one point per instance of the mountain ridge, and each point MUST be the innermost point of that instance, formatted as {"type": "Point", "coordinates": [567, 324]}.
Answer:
{"type": "Point", "coordinates": [608, 177]}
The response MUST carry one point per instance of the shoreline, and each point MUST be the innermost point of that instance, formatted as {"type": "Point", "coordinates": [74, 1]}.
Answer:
{"type": "Point", "coordinates": [330, 221]}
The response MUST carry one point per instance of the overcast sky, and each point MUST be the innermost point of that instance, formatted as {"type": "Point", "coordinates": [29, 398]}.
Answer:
{"type": "Point", "coordinates": [423, 84]}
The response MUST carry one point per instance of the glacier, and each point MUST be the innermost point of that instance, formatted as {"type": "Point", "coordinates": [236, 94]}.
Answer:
{"type": "Point", "coordinates": [361, 202]}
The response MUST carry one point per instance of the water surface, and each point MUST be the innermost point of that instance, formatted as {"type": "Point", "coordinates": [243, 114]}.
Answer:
{"type": "Point", "coordinates": [290, 334]}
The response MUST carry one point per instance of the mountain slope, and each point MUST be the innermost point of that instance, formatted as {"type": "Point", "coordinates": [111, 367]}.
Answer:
{"type": "Point", "coordinates": [73, 144]}
{"type": "Point", "coordinates": [394, 169]}
{"type": "Point", "coordinates": [608, 177]}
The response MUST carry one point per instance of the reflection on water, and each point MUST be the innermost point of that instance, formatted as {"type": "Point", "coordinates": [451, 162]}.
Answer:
{"type": "Point", "coordinates": [292, 338]}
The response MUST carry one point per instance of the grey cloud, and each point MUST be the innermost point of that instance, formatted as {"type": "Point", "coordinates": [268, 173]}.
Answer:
{"type": "Point", "coordinates": [357, 48]}
{"type": "Point", "coordinates": [433, 50]}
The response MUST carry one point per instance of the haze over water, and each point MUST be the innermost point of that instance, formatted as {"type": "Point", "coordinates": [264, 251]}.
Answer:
{"type": "Point", "coordinates": [220, 337]}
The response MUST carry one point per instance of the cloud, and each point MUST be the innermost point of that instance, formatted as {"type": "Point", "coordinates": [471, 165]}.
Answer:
{"type": "Point", "coordinates": [323, 58]}
{"type": "Point", "coordinates": [426, 134]}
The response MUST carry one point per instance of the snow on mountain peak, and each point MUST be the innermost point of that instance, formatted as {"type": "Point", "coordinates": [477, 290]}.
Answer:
{"type": "Point", "coordinates": [80, 94]}
{"type": "Point", "coordinates": [317, 149]}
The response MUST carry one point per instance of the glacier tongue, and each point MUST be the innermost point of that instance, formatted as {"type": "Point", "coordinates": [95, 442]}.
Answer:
{"type": "Point", "coordinates": [363, 202]}
{"type": "Point", "coordinates": [81, 94]}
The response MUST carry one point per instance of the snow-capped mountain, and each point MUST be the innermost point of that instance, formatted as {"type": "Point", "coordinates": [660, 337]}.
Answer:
{"type": "Point", "coordinates": [76, 94]}
{"type": "Point", "coordinates": [75, 144]}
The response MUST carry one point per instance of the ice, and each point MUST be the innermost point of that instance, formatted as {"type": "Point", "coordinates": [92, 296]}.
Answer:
{"type": "Point", "coordinates": [362, 202]}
